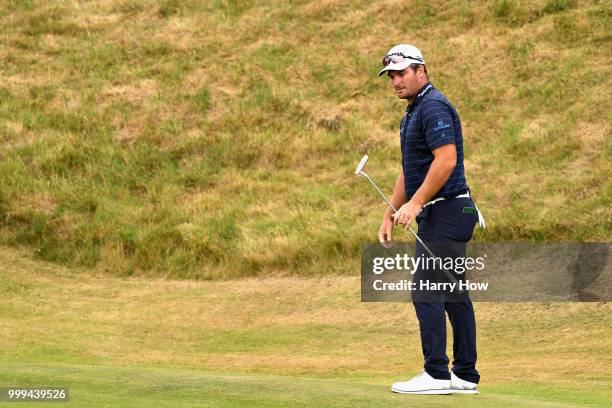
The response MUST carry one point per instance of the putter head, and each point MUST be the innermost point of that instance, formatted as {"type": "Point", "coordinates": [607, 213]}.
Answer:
{"type": "Point", "coordinates": [361, 164]}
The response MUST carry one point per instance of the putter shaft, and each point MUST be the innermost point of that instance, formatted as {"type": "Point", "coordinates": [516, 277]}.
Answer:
{"type": "Point", "coordinates": [379, 192]}
{"type": "Point", "coordinates": [448, 274]}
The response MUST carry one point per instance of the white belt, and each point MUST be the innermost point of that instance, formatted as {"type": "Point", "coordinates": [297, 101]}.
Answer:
{"type": "Point", "coordinates": [481, 220]}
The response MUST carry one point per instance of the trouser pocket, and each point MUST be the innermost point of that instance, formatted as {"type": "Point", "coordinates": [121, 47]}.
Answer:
{"type": "Point", "coordinates": [448, 220]}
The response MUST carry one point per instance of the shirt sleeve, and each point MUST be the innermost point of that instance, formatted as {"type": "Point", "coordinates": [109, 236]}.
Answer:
{"type": "Point", "coordinates": [437, 124]}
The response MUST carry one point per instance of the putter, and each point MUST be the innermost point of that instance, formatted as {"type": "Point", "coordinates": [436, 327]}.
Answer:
{"type": "Point", "coordinates": [358, 171]}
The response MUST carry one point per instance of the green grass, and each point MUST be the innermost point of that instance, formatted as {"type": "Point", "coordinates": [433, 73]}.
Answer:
{"type": "Point", "coordinates": [112, 386]}
{"type": "Point", "coordinates": [218, 139]}
{"type": "Point", "coordinates": [290, 341]}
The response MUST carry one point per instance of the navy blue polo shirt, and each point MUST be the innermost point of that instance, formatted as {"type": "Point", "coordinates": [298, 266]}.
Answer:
{"type": "Point", "coordinates": [430, 122]}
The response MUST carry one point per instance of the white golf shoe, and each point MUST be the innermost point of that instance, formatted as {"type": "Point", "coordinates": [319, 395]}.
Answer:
{"type": "Point", "coordinates": [460, 386]}
{"type": "Point", "coordinates": [423, 384]}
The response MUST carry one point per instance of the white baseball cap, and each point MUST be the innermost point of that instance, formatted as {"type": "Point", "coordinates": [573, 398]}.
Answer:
{"type": "Point", "coordinates": [400, 57]}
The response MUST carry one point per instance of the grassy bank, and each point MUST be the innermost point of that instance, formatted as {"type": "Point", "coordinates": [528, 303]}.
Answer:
{"type": "Point", "coordinates": [205, 139]}
{"type": "Point", "coordinates": [275, 342]}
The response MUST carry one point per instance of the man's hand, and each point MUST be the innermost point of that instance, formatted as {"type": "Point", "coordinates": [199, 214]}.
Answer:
{"type": "Point", "coordinates": [386, 228]}
{"type": "Point", "coordinates": [407, 213]}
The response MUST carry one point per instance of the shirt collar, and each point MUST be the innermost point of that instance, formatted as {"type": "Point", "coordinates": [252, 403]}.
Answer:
{"type": "Point", "coordinates": [424, 89]}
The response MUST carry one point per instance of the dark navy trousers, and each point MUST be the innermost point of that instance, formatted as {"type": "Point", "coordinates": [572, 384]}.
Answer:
{"type": "Point", "coordinates": [446, 222]}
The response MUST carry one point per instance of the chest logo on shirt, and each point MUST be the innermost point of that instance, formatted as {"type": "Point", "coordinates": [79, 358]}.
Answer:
{"type": "Point", "coordinates": [441, 125]}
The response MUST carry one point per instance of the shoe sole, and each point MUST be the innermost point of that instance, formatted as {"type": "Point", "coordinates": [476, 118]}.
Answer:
{"type": "Point", "coordinates": [472, 392]}
{"type": "Point", "coordinates": [424, 392]}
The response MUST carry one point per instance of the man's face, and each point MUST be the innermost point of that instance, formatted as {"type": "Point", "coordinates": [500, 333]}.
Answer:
{"type": "Point", "coordinates": [406, 83]}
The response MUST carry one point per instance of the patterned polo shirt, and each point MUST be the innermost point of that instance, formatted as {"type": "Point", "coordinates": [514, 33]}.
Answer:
{"type": "Point", "coordinates": [430, 122]}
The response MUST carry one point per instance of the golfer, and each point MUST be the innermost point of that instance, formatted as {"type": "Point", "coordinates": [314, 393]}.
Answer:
{"type": "Point", "coordinates": [432, 190]}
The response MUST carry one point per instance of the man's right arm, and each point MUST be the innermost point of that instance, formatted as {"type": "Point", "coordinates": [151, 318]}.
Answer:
{"type": "Point", "coordinates": [397, 200]}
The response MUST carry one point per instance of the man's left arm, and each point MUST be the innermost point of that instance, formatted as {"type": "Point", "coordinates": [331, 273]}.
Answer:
{"type": "Point", "coordinates": [445, 160]}
{"type": "Point", "coordinates": [438, 127]}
